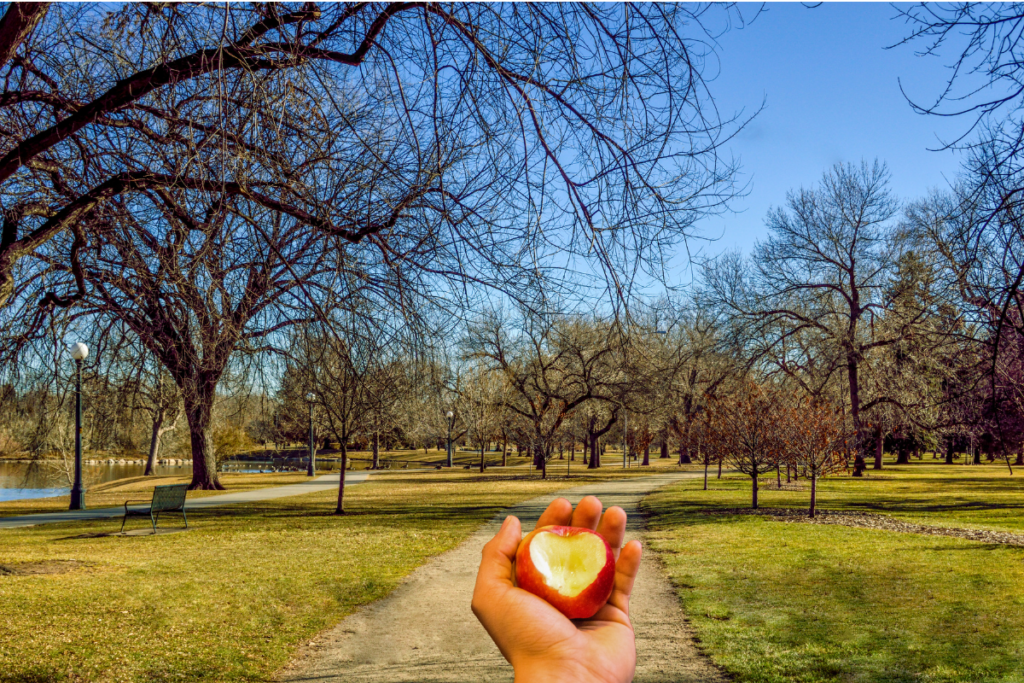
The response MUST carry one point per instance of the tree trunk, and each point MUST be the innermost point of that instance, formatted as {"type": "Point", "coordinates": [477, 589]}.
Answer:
{"type": "Point", "coordinates": [719, 468]}
{"type": "Point", "coordinates": [707, 463]}
{"type": "Point", "coordinates": [542, 454]}
{"type": "Point", "coordinates": [376, 451]}
{"type": "Point", "coordinates": [595, 453]}
{"type": "Point", "coordinates": [504, 453]}
{"type": "Point", "coordinates": [949, 451]}
{"type": "Point", "coordinates": [879, 444]}
{"type": "Point", "coordinates": [664, 450]}
{"type": "Point", "coordinates": [902, 456]}
{"type": "Point", "coordinates": [753, 491]}
{"type": "Point", "coordinates": [204, 461]}
{"type": "Point", "coordinates": [647, 456]}
{"type": "Point", "coordinates": [340, 510]}
{"type": "Point", "coordinates": [814, 491]}
{"type": "Point", "coordinates": [778, 475]}
{"type": "Point", "coordinates": [561, 451]}
{"type": "Point", "coordinates": [852, 372]}
{"type": "Point", "coordinates": [572, 451]}
{"type": "Point", "coordinates": [684, 455]}
{"type": "Point", "coordinates": [482, 458]}
{"type": "Point", "coordinates": [1019, 462]}
{"type": "Point", "coordinates": [154, 443]}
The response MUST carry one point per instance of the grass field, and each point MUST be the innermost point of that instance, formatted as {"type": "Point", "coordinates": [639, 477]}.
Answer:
{"type": "Point", "coordinates": [231, 599]}
{"type": "Point", "coordinates": [778, 602]}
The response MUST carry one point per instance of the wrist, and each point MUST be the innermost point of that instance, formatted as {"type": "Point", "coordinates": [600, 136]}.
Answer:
{"type": "Point", "coordinates": [550, 672]}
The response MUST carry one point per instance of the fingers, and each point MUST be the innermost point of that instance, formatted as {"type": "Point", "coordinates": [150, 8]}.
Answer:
{"type": "Point", "coordinates": [498, 553]}
{"type": "Point", "coordinates": [613, 528]}
{"type": "Point", "coordinates": [612, 525]}
{"type": "Point", "coordinates": [626, 570]}
{"type": "Point", "coordinates": [587, 513]}
{"type": "Point", "coordinates": [559, 513]}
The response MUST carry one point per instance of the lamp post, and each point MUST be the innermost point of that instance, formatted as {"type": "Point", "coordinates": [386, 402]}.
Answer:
{"type": "Point", "coordinates": [79, 351]}
{"type": "Point", "coordinates": [451, 423]}
{"type": "Point", "coordinates": [311, 469]}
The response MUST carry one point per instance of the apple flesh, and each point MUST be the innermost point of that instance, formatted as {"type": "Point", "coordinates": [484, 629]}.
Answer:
{"type": "Point", "coordinates": [571, 567]}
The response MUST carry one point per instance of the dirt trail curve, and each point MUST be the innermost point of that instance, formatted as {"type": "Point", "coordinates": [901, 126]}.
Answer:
{"type": "Point", "coordinates": [425, 632]}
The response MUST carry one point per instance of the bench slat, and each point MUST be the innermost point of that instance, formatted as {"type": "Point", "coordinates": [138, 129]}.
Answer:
{"type": "Point", "coordinates": [169, 497]}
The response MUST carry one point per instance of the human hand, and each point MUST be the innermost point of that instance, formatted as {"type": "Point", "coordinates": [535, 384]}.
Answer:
{"type": "Point", "coordinates": [539, 642]}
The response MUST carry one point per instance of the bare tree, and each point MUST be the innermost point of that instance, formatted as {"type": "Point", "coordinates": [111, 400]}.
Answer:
{"type": "Point", "coordinates": [483, 398]}
{"type": "Point", "coordinates": [814, 436]}
{"type": "Point", "coordinates": [703, 360]}
{"type": "Point", "coordinates": [552, 366]}
{"type": "Point", "coordinates": [745, 427]}
{"type": "Point", "coordinates": [823, 271]}
{"type": "Point", "coordinates": [195, 284]}
{"type": "Point", "coordinates": [424, 131]}
{"type": "Point", "coordinates": [338, 366]}
{"type": "Point", "coordinates": [419, 142]}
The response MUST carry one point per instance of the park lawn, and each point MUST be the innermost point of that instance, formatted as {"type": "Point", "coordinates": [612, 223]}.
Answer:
{"type": "Point", "coordinates": [980, 496]}
{"type": "Point", "coordinates": [775, 602]}
{"type": "Point", "coordinates": [232, 598]}
{"type": "Point", "coordinates": [115, 493]}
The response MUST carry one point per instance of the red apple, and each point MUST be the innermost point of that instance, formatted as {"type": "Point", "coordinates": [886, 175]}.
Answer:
{"type": "Point", "coordinates": [571, 567]}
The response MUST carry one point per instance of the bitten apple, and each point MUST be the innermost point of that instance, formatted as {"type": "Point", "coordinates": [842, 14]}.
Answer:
{"type": "Point", "coordinates": [571, 567]}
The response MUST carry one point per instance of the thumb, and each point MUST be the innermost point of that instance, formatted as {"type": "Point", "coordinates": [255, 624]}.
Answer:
{"type": "Point", "coordinates": [500, 551]}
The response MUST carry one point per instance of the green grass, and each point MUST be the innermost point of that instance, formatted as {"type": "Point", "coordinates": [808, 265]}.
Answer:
{"type": "Point", "coordinates": [778, 602]}
{"type": "Point", "coordinates": [232, 598]}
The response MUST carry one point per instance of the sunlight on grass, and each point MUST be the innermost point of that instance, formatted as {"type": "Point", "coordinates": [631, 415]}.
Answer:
{"type": "Point", "coordinates": [230, 599]}
{"type": "Point", "coordinates": [776, 602]}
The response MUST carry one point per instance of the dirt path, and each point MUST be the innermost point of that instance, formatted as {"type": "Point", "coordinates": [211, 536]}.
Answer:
{"type": "Point", "coordinates": [425, 632]}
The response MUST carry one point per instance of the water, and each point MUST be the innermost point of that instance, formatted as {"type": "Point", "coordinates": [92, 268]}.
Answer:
{"type": "Point", "coordinates": [20, 480]}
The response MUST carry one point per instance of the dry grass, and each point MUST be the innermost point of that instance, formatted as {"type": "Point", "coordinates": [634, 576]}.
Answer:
{"type": "Point", "coordinates": [231, 599]}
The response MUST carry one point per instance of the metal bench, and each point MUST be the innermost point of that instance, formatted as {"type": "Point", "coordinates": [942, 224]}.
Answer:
{"type": "Point", "coordinates": [168, 498]}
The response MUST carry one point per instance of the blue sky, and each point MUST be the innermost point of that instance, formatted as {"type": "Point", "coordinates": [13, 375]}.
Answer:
{"type": "Point", "coordinates": [832, 93]}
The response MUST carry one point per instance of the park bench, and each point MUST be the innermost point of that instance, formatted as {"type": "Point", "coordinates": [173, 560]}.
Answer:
{"type": "Point", "coordinates": [168, 498]}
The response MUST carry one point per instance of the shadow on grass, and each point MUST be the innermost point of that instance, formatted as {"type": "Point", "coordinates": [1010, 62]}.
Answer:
{"type": "Point", "coordinates": [35, 675]}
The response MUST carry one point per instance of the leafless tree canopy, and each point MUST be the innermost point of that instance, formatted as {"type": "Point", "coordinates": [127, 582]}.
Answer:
{"type": "Point", "coordinates": [467, 142]}
{"type": "Point", "coordinates": [210, 175]}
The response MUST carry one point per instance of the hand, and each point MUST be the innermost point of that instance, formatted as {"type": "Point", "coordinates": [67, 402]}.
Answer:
{"type": "Point", "coordinates": [539, 642]}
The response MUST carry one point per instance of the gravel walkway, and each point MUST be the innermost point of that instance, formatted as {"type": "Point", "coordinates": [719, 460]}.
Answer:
{"type": "Point", "coordinates": [425, 632]}
{"type": "Point", "coordinates": [867, 520]}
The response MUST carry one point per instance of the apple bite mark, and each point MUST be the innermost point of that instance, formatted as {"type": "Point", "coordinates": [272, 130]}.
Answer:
{"type": "Point", "coordinates": [569, 564]}
{"type": "Point", "coordinates": [573, 568]}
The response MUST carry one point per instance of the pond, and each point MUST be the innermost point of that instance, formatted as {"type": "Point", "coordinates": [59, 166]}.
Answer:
{"type": "Point", "coordinates": [42, 479]}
